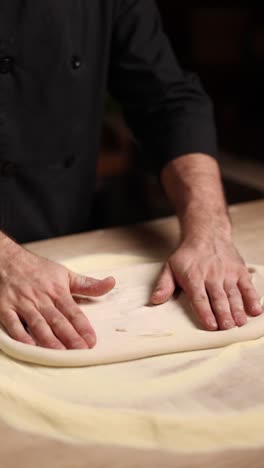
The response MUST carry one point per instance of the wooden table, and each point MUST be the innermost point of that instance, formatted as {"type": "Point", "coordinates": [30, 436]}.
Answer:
{"type": "Point", "coordinates": [158, 238]}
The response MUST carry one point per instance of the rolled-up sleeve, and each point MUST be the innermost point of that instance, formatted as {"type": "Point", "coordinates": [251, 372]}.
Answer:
{"type": "Point", "coordinates": [167, 108]}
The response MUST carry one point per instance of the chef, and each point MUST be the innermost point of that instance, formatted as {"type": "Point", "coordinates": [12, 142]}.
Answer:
{"type": "Point", "coordinates": [58, 58]}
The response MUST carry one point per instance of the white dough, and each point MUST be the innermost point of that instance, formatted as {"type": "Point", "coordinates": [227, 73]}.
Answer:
{"type": "Point", "coordinates": [204, 400]}
{"type": "Point", "coordinates": [126, 327]}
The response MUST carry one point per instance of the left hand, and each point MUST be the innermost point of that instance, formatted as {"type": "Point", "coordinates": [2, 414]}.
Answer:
{"type": "Point", "coordinates": [216, 281]}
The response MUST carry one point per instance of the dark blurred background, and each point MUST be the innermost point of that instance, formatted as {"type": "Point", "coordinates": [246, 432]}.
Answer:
{"type": "Point", "coordinates": [225, 46]}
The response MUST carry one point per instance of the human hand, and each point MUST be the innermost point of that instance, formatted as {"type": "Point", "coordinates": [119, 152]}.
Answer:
{"type": "Point", "coordinates": [216, 281]}
{"type": "Point", "coordinates": [39, 293]}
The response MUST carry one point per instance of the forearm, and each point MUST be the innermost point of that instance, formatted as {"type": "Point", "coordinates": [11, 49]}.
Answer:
{"type": "Point", "coordinates": [206, 264]}
{"type": "Point", "coordinates": [193, 185]}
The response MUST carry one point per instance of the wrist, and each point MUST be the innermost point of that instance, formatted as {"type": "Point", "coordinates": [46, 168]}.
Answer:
{"type": "Point", "coordinates": [202, 225]}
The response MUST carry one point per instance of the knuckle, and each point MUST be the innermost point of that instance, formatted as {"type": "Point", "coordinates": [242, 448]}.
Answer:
{"type": "Point", "coordinates": [12, 325]}
{"type": "Point", "coordinates": [85, 282]}
{"type": "Point", "coordinates": [57, 321]}
{"type": "Point", "coordinates": [83, 331]}
{"type": "Point", "coordinates": [74, 316]}
{"type": "Point", "coordinates": [215, 290]}
{"type": "Point", "coordinates": [194, 288]}
{"type": "Point", "coordinates": [249, 290]}
{"type": "Point", "coordinates": [217, 296]}
{"type": "Point", "coordinates": [220, 307]}
{"type": "Point", "coordinates": [58, 290]}
{"type": "Point", "coordinates": [231, 292]}
{"type": "Point", "coordinates": [36, 323]}
{"type": "Point", "coordinates": [191, 277]}
{"type": "Point", "coordinates": [238, 313]}
{"type": "Point", "coordinates": [74, 312]}
{"type": "Point", "coordinates": [237, 309]}
{"type": "Point", "coordinates": [224, 318]}
{"type": "Point", "coordinates": [14, 332]}
{"type": "Point", "coordinates": [199, 298]}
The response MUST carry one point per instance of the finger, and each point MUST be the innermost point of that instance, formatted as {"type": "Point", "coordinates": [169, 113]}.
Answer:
{"type": "Point", "coordinates": [236, 303]}
{"type": "Point", "coordinates": [250, 297]}
{"type": "Point", "coordinates": [199, 301]}
{"type": "Point", "coordinates": [164, 288]}
{"type": "Point", "coordinates": [78, 320]}
{"type": "Point", "coordinates": [89, 286]}
{"type": "Point", "coordinates": [220, 305]}
{"type": "Point", "coordinates": [62, 328]}
{"type": "Point", "coordinates": [14, 327]}
{"type": "Point", "coordinates": [40, 329]}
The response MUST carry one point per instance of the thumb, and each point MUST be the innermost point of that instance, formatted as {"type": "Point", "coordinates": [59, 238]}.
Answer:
{"type": "Point", "coordinates": [164, 288]}
{"type": "Point", "coordinates": [86, 286]}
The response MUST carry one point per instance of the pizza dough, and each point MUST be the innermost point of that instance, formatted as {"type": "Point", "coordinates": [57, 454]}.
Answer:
{"type": "Point", "coordinates": [203, 400]}
{"type": "Point", "coordinates": [127, 327]}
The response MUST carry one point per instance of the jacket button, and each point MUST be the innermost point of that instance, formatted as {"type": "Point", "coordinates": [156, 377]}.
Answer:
{"type": "Point", "coordinates": [7, 168]}
{"type": "Point", "coordinates": [6, 64]}
{"type": "Point", "coordinates": [76, 62]}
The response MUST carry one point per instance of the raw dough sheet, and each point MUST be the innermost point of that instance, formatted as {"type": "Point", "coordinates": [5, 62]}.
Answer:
{"type": "Point", "coordinates": [128, 327]}
{"type": "Point", "coordinates": [208, 399]}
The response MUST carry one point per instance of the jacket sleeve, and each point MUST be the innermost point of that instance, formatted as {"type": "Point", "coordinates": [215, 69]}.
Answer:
{"type": "Point", "coordinates": [166, 107]}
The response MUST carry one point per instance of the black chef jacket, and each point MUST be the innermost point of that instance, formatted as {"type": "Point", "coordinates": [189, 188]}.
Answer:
{"type": "Point", "coordinates": [58, 58]}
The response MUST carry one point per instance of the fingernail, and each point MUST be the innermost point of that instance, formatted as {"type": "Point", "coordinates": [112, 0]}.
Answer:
{"type": "Point", "coordinates": [211, 323]}
{"type": "Point", "coordinates": [90, 340]}
{"type": "Point", "coordinates": [228, 324]}
{"type": "Point", "coordinates": [257, 308]}
{"type": "Point", "coordinates": [157, 297]}
{"type": "Point", "coordinates": [109, 278]}
{"type": "Point", "coordinates": [241, 321]}
{"type": "Point", "coordinates": [156, 294]}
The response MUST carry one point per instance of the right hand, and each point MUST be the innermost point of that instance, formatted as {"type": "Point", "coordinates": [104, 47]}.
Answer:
{"type": "Point", "coordinates": [39, 293]}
